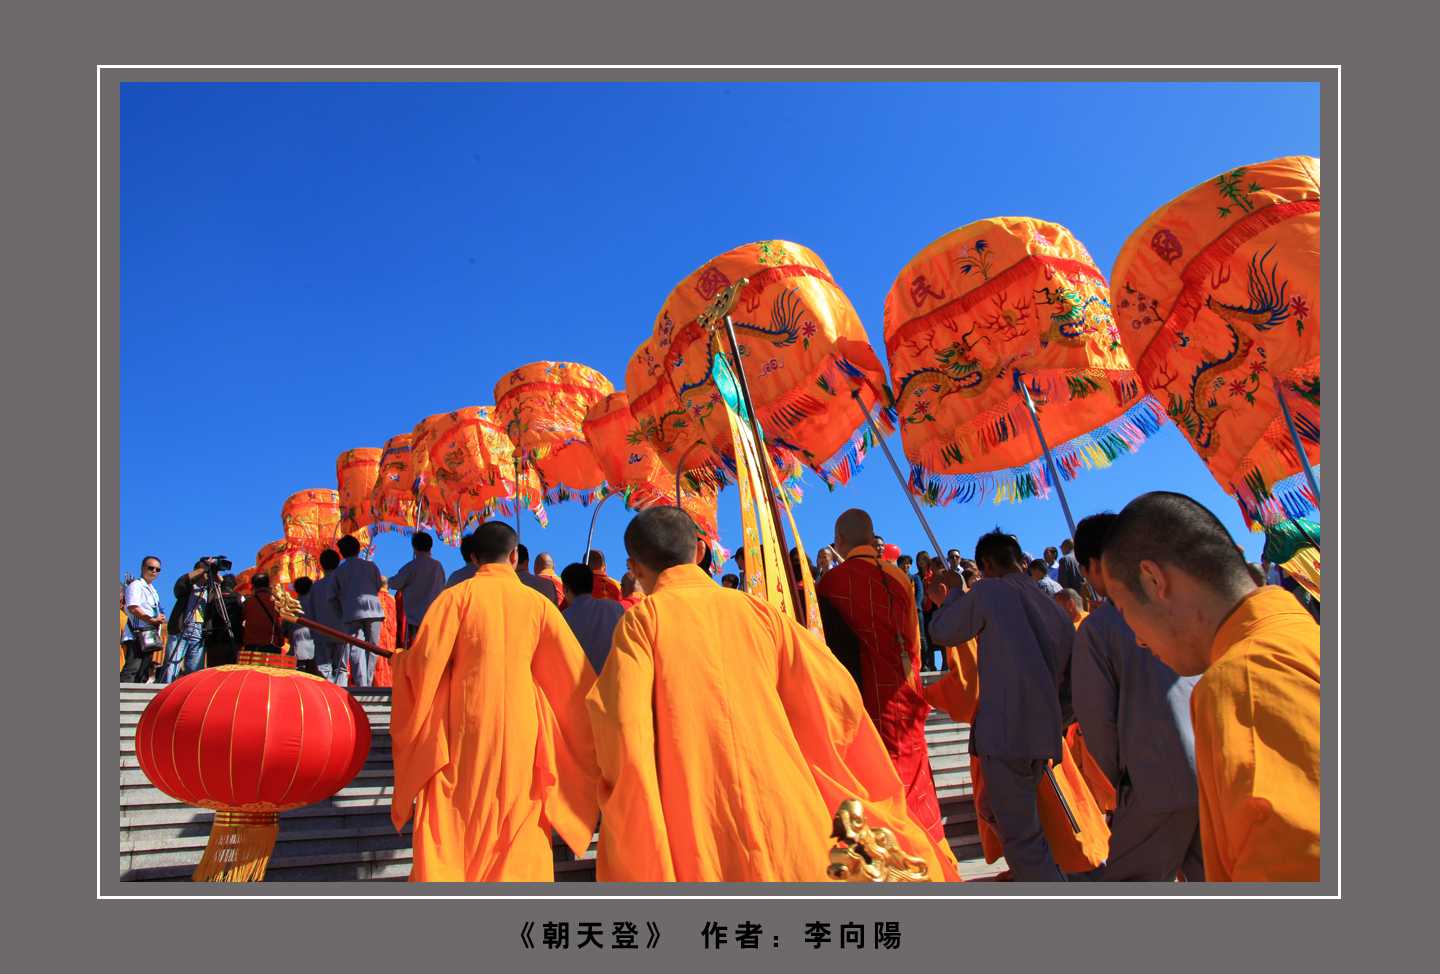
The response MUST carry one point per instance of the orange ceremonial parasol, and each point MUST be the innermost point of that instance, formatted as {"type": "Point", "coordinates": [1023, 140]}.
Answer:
{"type": "Point", "coordinates": [632, 468]}
{"type": "Point", "coordinates": [1001, 342]}
{"type": "Point", "coordinates": [355, 474]}
{"type": "Point", "coordinates": [243, 584]}
{"type": "Point", "coordinates": [464, 471]}
{"type": "Point", "coordinates": [392, 500]}
{"type": "Point", "coordinates": [802, 348]}
{"type": "Point", "coordinates": [1218, 306]}
{"type": "Point", "coordinates": [543, 407]}
{"type": "Point", "coordinates": [285, 562]}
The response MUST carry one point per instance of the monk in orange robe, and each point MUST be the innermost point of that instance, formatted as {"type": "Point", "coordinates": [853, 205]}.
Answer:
{"type": "Point", "coordinates": [727, 734]}
{"type": "Point", "coordinates": [1176, 575]}
{"type": "Point", "coordinates": [629, 590]}
{"type": "Point", "coordinates": [868, 611]}
{"type": "Point", "coordinates": [491, 740]}
{"type": "Point", "coordinates": [545, 568]}
{"type": "Point", "coordinates": [605, 586]}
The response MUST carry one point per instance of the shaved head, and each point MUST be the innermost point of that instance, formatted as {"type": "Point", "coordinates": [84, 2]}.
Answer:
{"type": "Point", "coordinates": [1175, 574]}
{"type": "Point", "coordinates": [596, 559]}
{"type": "Point", "coordinates": [492, 542]}
{"type": "Point", "coordinates": [662, 538]}
{"type": "Point", "coordinates": [854, 528]}
{"type": "Point", "coordinates": [543, 562]}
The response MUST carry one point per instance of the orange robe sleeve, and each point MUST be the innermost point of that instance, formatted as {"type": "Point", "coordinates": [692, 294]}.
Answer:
{"type": "Point", "coordinates": [958, 691]}
{"type": "Point", "coordinates": [1074, 852]}
{"type": "Point", "coordinates": [1257, 733]}
{"type": "Point", "coordinates": [844, 750]}
{"type": "Point", "coordinates": [420, 703]}
{"type": "Point", "coordinates": [622, 717]}
{"type": "Point", "coordinates": [566, 775]}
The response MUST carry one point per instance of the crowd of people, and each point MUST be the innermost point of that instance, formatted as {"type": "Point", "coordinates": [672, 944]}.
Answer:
{"type": "Point", "coordinates": [712, 736]}
{"type": "Point", "coordinates": [210, 622]}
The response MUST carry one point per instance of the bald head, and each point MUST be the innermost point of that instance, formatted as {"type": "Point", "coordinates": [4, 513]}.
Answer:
{"type": "Point", "coordinates": [661, 538]}
{"type": "Point", "coordinates": [544, 563]}
{"type": "Point", "coordinates": [853, 529]}
{"type": "Point", "coordinates": [1072, 602]}
{"type": "Point", "coordinates": [596, 561]}
{"type": "Point", "coordinates": [493, 542]}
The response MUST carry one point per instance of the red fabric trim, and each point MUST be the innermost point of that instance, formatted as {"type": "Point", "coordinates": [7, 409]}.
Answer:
{"type": "Point", "coordinates": [1001, 281]}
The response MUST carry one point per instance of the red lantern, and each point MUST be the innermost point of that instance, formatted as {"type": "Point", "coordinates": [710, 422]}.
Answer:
{"type": "Point", "coordinates": [250, 742]}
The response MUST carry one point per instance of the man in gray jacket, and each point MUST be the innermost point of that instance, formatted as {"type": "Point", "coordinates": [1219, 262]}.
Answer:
{"type": "Point", "coordinates": [1135, 713]}
{"type": "Point", "coordinates": [417, 582]}
{"type": "Point", "coordinates": [1025, 641]}
{"type": "Point", "coordinates": [324, 609]}
{"type": "Point", "coordinates": [357, 596]}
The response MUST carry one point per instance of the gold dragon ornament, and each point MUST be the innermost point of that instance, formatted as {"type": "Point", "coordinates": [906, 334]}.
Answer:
{"type": "Point", "coordinates": [866, 855]}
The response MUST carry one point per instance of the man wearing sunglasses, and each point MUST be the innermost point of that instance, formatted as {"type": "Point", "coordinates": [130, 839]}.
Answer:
{"type": "Point", "coordinates": [142, 632]}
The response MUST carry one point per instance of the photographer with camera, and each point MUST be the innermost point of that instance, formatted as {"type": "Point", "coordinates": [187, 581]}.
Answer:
{"type": "Point", "coordinates": [186, 647]}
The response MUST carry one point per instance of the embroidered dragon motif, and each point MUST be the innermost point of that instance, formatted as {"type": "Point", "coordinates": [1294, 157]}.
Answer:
{"type": "Point", "coordinates": [662, 433]}
{"type": "Point", "coordinates": [1200, 412]}
{"type": "Point", "coordinates": [960, 374]}
{"type": "Point", "coordinates": [1073, 318]}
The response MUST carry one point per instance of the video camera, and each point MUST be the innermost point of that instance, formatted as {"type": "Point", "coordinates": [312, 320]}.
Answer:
{"type": "Point", "coordinates": [215, 565]}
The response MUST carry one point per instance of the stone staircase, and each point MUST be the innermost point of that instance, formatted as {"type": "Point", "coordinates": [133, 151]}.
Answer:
{"type": "Point", "coordinates": [349, 836]}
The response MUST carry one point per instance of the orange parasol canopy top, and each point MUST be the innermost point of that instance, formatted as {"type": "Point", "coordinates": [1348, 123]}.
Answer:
{"type": "Point", "coordinates": [355, 474]}
{"type": "Point", "coordinates": [630, 465]}
{"type": "Point", "coordinates": [1217, 296]}
{"type": "Point", "coordinates": [992, 301]}
{"type": "Point", "coordinates": [804, 351]}
{"type": "Point", "coordinates": [392, 499]}
{"type": "Point", "coordinates": [543, 407]}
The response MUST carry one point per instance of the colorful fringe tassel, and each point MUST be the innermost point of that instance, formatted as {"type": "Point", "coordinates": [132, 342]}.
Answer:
{"type": "Point", "coordinates": [1094, 450]}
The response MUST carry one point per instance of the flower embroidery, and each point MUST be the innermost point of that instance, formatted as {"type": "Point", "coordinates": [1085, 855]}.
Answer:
{"type": "Point", "coordinates": [1237, 387]}
{"type": "Point", "coordinates": [1299, 307]}
{"type": "Point", "coordinates": [1257, 367]}
{"type": "Point", "coordinates": [807, 330]}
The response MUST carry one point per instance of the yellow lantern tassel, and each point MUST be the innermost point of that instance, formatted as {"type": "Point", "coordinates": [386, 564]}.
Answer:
{"type": "Point", "coordinates": [239, 848]}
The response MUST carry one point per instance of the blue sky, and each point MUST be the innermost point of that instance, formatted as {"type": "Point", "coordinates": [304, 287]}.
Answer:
{"type": "Point", "coordinates": [310, 268]}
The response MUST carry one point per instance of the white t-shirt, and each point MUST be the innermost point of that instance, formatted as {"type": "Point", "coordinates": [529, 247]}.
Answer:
{"type": "Point", "coordinates": [142, 595]}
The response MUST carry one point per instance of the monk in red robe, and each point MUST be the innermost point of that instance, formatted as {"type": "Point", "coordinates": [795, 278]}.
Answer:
{"type": "Point", "coordinates": [867, 607]}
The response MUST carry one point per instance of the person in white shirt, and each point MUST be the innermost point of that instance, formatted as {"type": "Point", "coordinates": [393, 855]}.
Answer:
{"type": "Point", "coordinates": [142, 605]}
{"type": "Point", "coordinates": [592, 620]}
